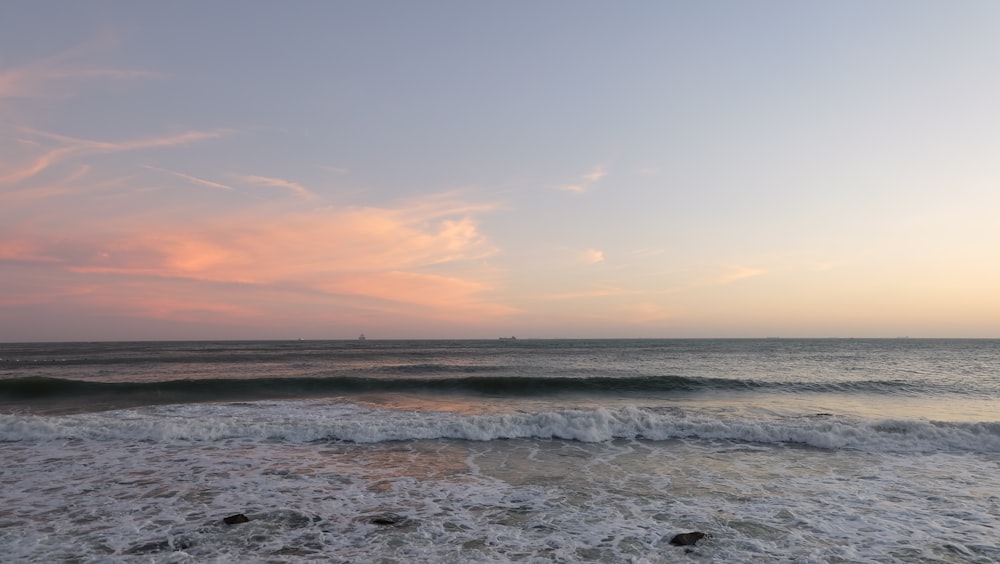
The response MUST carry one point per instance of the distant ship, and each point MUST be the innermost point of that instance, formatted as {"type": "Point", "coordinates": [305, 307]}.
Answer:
{"type": "Point", "coordinates": [362, 337]}
{"type": "Point", "coordinates": [511, 338]}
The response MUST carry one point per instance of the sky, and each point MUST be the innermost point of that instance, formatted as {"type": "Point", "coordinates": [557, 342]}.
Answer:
{"type": "Point", "coordinates": [548, 169]}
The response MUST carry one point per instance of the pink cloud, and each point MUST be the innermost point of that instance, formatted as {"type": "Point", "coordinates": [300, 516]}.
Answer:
{"type": "Point", "coordinates": [23, 250]}
{"type": "Point", "coordinates": [381, 255]}
{"type": "Point", "coordinates": [78, 237]}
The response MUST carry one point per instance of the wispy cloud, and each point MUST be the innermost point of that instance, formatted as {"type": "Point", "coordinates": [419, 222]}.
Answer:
{"type": "Point", "coordinates": [55, 76]}
{"type": "Point", "coordinates": [586, 181]}
{"type": "Point", "coordinates": [72, 147]}
{"type": "Point", "coordinates": [190, 178]}
{"type": "Point", "coordinates": [595, 175]}
{"type": "Point", "coordinates": [279, 183]}
{"type": "Point", "coordinates": [40, 77]}
{"type": "Point", "coordinates": [12, 173]}
{"type": "Point", "coordinates": [91, 145]}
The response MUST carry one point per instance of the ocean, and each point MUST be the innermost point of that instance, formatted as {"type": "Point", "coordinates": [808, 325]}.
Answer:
{"type": "Point", "coordinates": [779, 450]}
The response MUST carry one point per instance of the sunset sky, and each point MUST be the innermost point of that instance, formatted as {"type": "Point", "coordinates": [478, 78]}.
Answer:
{"type": "Point", "coordinates": [273, 170]}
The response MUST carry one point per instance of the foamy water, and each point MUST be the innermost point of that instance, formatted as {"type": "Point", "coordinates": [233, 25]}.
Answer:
{"type": "Point", "coordinates": [154, 485]}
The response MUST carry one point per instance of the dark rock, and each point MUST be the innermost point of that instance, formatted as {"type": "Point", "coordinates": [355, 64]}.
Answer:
{"type": "Point", "coordinates": [687, 539]}
{"type": "Point", "coordinates": [236, 519]}
{"type": "Point", "coordinates": [385, 519]}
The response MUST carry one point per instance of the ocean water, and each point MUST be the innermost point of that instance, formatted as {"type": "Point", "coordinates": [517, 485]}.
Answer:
{"type": "Point", "coordinates": [781, 450]}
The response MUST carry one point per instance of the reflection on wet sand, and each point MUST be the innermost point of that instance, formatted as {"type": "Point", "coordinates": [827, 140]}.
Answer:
{"type": "Point", "coordinates": [387, 463]}
{"type": "Point", "coordinates": [462, 405]}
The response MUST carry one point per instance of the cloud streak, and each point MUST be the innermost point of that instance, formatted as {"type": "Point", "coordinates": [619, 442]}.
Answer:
{"type": "Point", "coordinates": [35, 78]}
{"type": "Point", "coordinates": [73, 148]}
{"type": "Point", "coordinates": [294, 187]}
{"type": "Point", "coordinates": [192, 179]}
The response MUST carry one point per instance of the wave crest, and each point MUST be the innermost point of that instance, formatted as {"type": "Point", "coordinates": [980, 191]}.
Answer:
{"type": "Point", "coordinates": [303, 422]}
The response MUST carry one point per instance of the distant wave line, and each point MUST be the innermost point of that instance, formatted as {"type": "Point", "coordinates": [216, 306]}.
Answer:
{"type": "Point", "coordinates": [221, 389]}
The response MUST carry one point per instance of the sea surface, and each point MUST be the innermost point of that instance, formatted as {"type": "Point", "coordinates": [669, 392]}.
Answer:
{"type": "Point", "coordinates": [781, 450]}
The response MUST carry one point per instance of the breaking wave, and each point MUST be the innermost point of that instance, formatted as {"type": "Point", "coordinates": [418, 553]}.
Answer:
{"type": "Point", "coordinates": [307, 422]}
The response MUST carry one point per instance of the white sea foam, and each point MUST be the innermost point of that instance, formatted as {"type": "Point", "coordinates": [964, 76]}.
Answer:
{"type": "Point", "coordinates": [530, 500]}
{"type": "Point", "coordinates": [309, 421]}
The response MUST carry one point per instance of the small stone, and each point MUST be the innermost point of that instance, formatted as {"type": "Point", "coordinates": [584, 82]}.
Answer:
{"type": "Point", "coordinates": [687, 539]}
{"type": "Point", "coordinates": [236, 519]}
